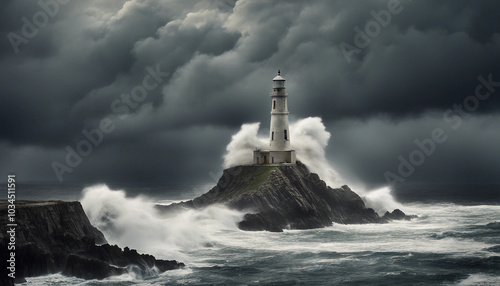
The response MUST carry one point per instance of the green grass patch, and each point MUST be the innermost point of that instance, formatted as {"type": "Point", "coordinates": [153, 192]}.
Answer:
{"type": "Point", "coordinates": [249, 179]}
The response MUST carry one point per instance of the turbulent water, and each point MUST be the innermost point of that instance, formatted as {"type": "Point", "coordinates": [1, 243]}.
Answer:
{"type": "Point", "coordinates": [449, 244]}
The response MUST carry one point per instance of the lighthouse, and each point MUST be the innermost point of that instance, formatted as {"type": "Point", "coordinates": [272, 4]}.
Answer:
{"type": "Point", "coordinates": [279, 151]}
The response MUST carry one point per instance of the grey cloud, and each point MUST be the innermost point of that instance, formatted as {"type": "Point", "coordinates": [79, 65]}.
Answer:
{"type": "Point", "coordinates": [220, 57]}
{"type": "Point", "coordinates": [364, 150]}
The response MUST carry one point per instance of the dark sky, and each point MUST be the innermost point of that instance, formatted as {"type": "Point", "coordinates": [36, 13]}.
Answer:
{"type": "Point", "coordinates": [197, 70]}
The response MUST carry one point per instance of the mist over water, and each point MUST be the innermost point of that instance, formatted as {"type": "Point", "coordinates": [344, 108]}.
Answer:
{"type": "Point", "coordinates": [309, 138]}
{"type": "Point", "coordinates": [381, 200]}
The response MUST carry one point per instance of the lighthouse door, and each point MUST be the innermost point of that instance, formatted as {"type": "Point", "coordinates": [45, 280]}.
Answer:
{"type": "Point", "coordinates": [265, 159]}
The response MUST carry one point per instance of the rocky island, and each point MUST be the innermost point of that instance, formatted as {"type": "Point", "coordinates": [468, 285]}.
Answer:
{"type": "Point", "coordinates": [56, 236]}
{"type": "Point", "coordinates": [286, 196]}
{"type": "Point", "coordinates": [278, 192]}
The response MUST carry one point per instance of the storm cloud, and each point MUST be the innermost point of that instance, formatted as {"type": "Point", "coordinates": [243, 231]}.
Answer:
{"type": "Point", "coordinates": [176, 79]}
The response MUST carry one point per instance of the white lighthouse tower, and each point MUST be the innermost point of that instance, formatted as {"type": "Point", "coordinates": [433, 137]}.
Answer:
{"type": "Point", "coordinates": [279, 135]}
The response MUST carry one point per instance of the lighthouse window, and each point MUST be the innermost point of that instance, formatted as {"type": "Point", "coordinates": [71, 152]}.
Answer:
{"type": "Point", "coordinates": [274, 104]}
{"type": "Point", "coordinates": [272, 135]}
{"type": "Point", "coordinates": [286, 137]}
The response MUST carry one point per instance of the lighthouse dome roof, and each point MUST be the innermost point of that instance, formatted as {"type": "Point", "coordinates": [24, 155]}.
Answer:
{"type": "Point", "coordinates": [278, 77]}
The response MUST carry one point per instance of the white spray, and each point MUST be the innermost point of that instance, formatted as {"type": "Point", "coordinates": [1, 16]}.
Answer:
{"type": "Point", "coordinates": [239, 150]}
{"type": "Point", "coordinates": [309, 138]}
{"type": "Point", "coordinates": [135, 222]}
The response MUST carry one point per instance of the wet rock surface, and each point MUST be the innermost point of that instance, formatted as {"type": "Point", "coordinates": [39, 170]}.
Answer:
{"type": "Point", "coordinates": [56, 236]}
{"type": "Point", "coordinates": [285, 197]}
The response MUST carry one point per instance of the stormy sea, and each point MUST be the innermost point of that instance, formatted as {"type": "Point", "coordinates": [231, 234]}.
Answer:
{"type": "Point", "coordinates": [451, 243]}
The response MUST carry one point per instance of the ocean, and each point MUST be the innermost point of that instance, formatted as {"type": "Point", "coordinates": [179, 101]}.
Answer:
{"type": "Point", "coordinates": [451, 243]}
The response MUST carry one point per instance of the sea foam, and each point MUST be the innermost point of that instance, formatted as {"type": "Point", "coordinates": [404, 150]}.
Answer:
{"type": "Point", "coordinates": [135, 222]}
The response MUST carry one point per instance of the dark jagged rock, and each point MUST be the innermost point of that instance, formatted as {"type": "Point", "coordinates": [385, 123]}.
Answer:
{"type": "Point", "coordinates": [101, 261]}
{"type": "Point", "coordinates": [143, 265]}
{"type": "Point", "coordinates": [397, 214]}
{"type": "Point", "coordinates": [46, 232]}
{"type": "Point", "coordinates": [283, 196]}
{"type": "Point", "coordinates": [90, 268]}
{"type": "Point", "coordinates": [55, 236]}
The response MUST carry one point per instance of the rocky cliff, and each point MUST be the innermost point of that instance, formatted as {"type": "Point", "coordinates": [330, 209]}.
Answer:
{"type": "Point", "coordinates": [56, 236]}
{"type": "Point", "coordinates": [285, 196]}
